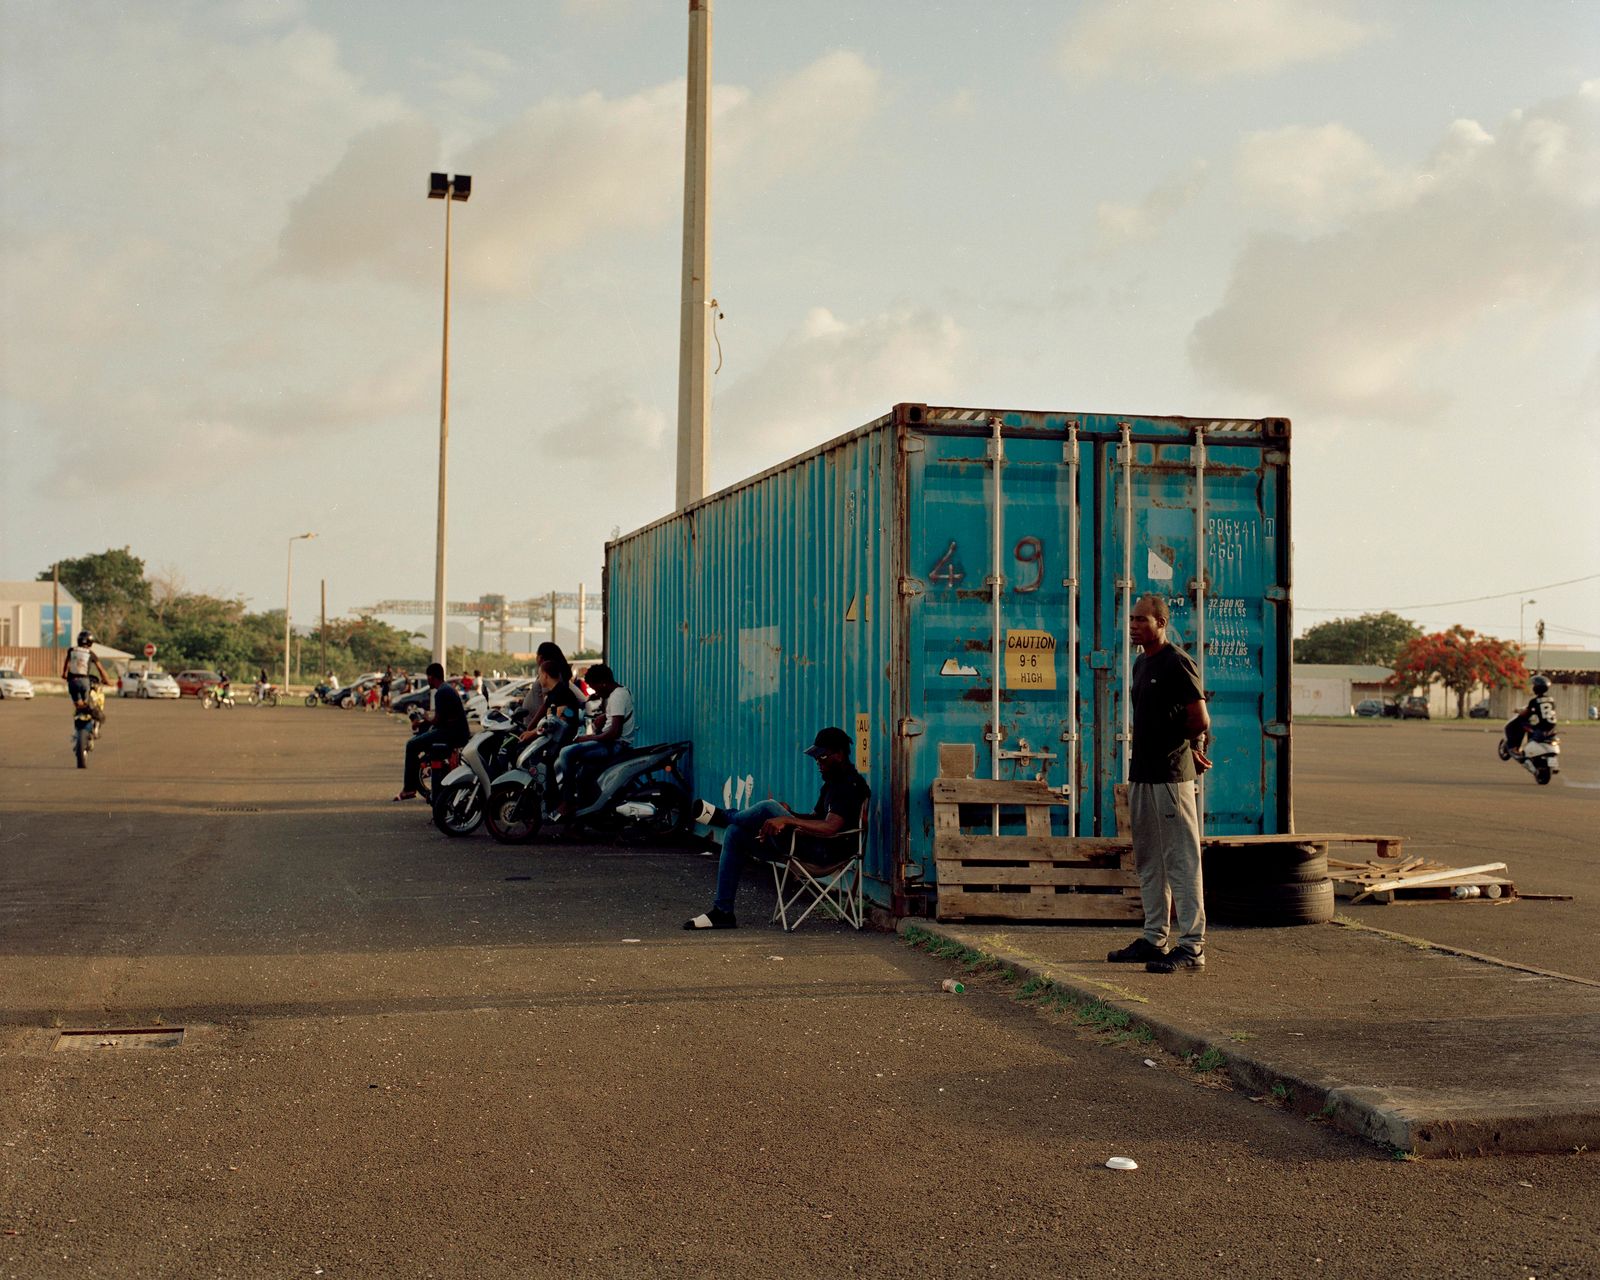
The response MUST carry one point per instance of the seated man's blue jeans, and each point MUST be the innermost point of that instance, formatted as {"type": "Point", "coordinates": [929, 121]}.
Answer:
{"type": "Point", "coordinates": [577, 759]}
{"type": "Point", "coordinates": [741, 840]}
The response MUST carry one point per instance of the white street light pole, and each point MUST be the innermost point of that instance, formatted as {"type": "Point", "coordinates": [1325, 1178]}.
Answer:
{"type": "Point", "coordinates": [442, 186]}
{"type": "Point", "coordinates": [1522, 633]}
{"type": "Point", "coordinates": [694, 355]}
{"type": "Point", "coordinates": [288, 590]}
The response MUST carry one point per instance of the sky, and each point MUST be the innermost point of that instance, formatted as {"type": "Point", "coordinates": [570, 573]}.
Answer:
{"type": "Point", "coordinates": [220, 278]}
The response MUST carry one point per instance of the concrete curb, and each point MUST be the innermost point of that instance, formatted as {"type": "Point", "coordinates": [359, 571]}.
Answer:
{"type": "Point", "coordinates": [1363, 1111]}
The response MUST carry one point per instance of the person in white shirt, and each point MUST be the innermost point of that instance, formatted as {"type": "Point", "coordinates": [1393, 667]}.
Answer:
{"type": "Point", "coordinates": [75, 668]}
{"type": "Point", "coordinates": [611, 734]}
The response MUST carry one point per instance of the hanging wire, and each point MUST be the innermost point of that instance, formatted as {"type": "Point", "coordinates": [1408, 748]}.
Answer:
{"type": "Point", "coordinates": [716, 314]}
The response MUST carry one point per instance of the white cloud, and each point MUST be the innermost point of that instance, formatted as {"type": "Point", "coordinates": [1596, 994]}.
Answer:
{"type": "Point", "coordinates": [1121, 225]}
{"type": "Point", "coordinates": [616, 428]}
{"type": "Point", "coordinates": [565, 171]}
{"type": "Point", "coordinates": [1347, 320]}
{"type": "Point", "coordinates": [829, 376]}
{"type": "Point", "coordinates": [1204, 40]}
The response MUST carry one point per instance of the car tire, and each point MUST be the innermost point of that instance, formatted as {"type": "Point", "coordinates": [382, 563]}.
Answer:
{"type": "Point", "coordinates": [1245, 867]}
{"type": "Point", "coordinates": [1273, 905]}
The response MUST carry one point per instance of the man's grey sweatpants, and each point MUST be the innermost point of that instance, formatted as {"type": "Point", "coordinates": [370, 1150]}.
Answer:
{"type": "Point", "coordinates": [1166, 850]}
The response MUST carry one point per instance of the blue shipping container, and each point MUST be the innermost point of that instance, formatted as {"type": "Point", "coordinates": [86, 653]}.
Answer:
{"type": "Point", "coordinates": [942, 571]}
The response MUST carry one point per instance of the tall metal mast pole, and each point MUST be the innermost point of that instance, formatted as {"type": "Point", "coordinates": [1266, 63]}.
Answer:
{"type": "Point", "coordinates": [694, 362]}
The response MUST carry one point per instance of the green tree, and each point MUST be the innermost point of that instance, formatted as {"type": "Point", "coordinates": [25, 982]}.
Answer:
{"type": "Point", "coordinates": [112, 589]}
{"type": "Point", "coordinates": [1373, 639]}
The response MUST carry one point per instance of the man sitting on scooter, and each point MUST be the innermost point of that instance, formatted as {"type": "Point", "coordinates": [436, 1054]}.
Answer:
{"type": "Point", "coordinates": [1538, 718]}
{"type": "Point", "coordinates": [559, 712]}
{"type": "Point", "coordinates": [612, 732]}
{"type": "Point", "coordinates": [450, 729]}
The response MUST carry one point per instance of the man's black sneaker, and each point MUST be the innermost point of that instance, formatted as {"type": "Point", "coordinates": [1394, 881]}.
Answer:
{"type": "Point", "coordinates": [1139, 951]}
{"type": "Point", "coordinates": [713, 919]}
{"type": "Point", "coordinates": [1178, 960]}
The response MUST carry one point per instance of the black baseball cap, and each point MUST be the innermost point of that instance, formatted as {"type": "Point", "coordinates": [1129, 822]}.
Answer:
{"type": "Point", "coordinates": [827, 741]}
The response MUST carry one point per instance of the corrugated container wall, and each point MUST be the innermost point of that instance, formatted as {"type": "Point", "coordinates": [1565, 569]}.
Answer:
{"type": "Point", "coordinates": [941, 570]}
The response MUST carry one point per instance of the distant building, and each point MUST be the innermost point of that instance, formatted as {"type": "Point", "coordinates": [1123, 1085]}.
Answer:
{"type": "Point", "coordinates": [30, 623]}
{"type": "Point", "coordinates": [1333, 689]}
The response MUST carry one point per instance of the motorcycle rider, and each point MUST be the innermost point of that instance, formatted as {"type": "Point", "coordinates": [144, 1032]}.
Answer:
{"type": "Point", "coordinates": [1536, 720]}
{"type": "Point", "coordinates": [75, 670]}
{"type": "Point", "coordinates": [450, 728]}
{"type": "Point", "coordinates": [611, 734]}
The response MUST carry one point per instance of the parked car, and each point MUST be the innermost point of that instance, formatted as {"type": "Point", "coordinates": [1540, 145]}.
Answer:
{"type": "Point", "coordinates": [13, 684]}
{"type": "Point", "coordinates": [1371, 708]}
{"type": "Point", "coordinates": [158, 684]}
{"type": "Point", "coordinates": [1479, 711]}
{"type": "Point", "coordinates": [147, 682]}
{"type": "Point", "coordinates": [191, 684]}
{"type": "Point", "coordinates": [1414, 707]}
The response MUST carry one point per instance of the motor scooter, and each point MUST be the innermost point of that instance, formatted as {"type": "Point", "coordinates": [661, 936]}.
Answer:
{"type": "Point", "coordinates": [1540, 754]}
{"type": "Point", "coordinates": [458, 800]}
{"type": "Point", "coordinates": [640, 793]}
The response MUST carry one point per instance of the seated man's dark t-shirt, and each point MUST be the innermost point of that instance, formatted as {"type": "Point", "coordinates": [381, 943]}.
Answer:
{"type": "Point", "coordinates": [844, 795]}
{"type": "Point", "coordinates": [450, 717]}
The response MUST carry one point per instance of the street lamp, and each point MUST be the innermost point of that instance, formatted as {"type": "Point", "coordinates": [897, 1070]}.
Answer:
{"type": "Point", "coordinates": [1522, 634]}
{"type": "Point", "coordinates": [287, 589]}
{"type": "Point", "coordinates": [441, 186]}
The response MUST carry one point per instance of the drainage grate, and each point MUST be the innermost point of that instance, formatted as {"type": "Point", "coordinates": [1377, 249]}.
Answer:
{"type": "Point", "coordinates": [121, 1038]}
{"type": "Point", "coordinates": [235, 808]}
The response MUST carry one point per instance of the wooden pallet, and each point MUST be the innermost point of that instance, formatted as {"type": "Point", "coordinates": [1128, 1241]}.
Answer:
{"type": "Point", "coordinates": [1388, 880]}
{"type": "Point", "coordinates": [1034, 876]}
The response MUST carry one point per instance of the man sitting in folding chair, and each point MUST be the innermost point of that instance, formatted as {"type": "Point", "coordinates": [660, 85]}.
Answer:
{"type": "Point", "coordinates": [815, 856]}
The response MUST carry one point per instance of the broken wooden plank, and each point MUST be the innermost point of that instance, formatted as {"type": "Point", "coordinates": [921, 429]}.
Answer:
{"type": "Point", "coordinates": [955, 904]}
{"type": "Point", "coordinates": [988, 791]}
{"type": "Point", "coordinates": [953, 846]}
{"type": "Point", "coordinates": [955, 873]}
{"type": "Point", "coordinates": [1431, 877]}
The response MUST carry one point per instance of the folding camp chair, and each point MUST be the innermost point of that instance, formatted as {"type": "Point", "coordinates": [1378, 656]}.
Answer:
{"type": "Point", "coordinates": [835, 886]}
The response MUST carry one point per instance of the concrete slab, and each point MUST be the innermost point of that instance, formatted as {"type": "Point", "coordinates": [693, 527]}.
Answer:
{"type": "Point", "coordinates": [1424, 1049]}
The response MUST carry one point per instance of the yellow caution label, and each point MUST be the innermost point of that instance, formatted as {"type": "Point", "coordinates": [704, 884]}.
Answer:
{"type": "Point", "coordinates": [863, 742]}
{"type": "Point", "coordinates": [1030, 660]}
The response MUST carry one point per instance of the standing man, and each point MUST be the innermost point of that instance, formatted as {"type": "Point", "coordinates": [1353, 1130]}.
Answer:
{"type": "Point", "coordinates": [449, 720]}
{"type": "Point", "coordinates": [1171, 735]}
{"type": "Point", "coordinates": [758, 832]}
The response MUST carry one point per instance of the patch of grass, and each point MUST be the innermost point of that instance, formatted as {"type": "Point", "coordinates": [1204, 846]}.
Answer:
{"type": "Point", "coordinates": [1328, 1110]}
{"type": "Point", "coordinates": [1282, 1092]}
{"type": "Point", "coordinates": [1400, 1154]}
{"type": "Point", "coordinates": [1240, 1037]}
{"type": "Point", "coordinates": [1210, 1060]}
{"type": "Point", "coordinates": [1144, 1035]}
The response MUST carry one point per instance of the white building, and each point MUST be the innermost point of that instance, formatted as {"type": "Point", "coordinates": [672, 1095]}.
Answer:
{"type": "Point", "coordinates": [26, 615]}
{"type": "Point", "coordinates": [1333, 689]}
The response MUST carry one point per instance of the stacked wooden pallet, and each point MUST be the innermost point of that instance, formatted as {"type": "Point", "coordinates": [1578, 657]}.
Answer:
{"type": "Point", "coordinates": [1032, 876]}
{"type": "Point", "coordinates": [1397, 879]}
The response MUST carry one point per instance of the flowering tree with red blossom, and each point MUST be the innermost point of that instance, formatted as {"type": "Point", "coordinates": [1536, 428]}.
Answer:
{"type": "Point", "coordinates": [1461, 660]}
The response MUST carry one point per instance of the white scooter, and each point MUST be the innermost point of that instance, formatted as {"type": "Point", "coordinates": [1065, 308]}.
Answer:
{"type": "Point", "coordinates": [459, 800]}
{"type": "Point", "coordinates": [1540, 756]}
{"type": "Point", "coordinates": [639, 793]}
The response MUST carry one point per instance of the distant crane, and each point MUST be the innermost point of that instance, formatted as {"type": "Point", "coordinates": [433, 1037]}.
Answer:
{"type": "Point", "coordinates": [496, 612]}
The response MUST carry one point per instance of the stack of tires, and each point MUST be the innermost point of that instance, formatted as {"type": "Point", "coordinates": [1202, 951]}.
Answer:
{"type": "Point", "coordinates": [1267, 885]}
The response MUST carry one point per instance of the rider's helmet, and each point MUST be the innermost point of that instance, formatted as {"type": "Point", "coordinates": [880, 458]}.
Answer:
{"type": "Point", "coordinates": [1541, 686]}
{"type": "Point", "coordinates": [85, 638]}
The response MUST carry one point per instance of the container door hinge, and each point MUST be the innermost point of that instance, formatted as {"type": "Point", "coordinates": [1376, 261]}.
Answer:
{"type": "Point", "coordinates": [911, 587]}
{"type": "Point", "coordinates": [1275, 729]}
{"type": "Point", "coordinates": [913, 444]}
{"type": "Point", "coordinates": [1276, 593]}
{"type": "Point", "coordinates": [910, 727]}
{"type": "Point", "coordinates": [1100, 660]}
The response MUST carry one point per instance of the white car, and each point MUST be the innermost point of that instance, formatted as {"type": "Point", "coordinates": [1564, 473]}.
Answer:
{"type": "Point", "coordinates": [13, 684]}
{"type": "Point", "coordinates": [144, 682]}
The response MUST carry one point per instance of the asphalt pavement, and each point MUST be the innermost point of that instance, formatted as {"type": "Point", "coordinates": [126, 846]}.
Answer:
{"type": "Point", "coordinates": [415, 1056]}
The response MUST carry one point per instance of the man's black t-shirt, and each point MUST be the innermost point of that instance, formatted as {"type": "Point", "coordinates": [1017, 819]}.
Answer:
{"type": "Point", "coordinates": [450, 717]}
{"type": "Point", "coordinates": [1164, 683]}
{"type": "Point", "coordinates": [844, 795]}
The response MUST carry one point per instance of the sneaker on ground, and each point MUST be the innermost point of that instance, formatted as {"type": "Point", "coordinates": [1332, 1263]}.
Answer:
{"type": "Point", "coordinates": [1139, 951]}
{"type": "Point", "coordinates": [708, 815]}
{"type": "Point", "coordinates": [1178, 960]}
{"type": "Point", "coordinates": [713, 919]}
